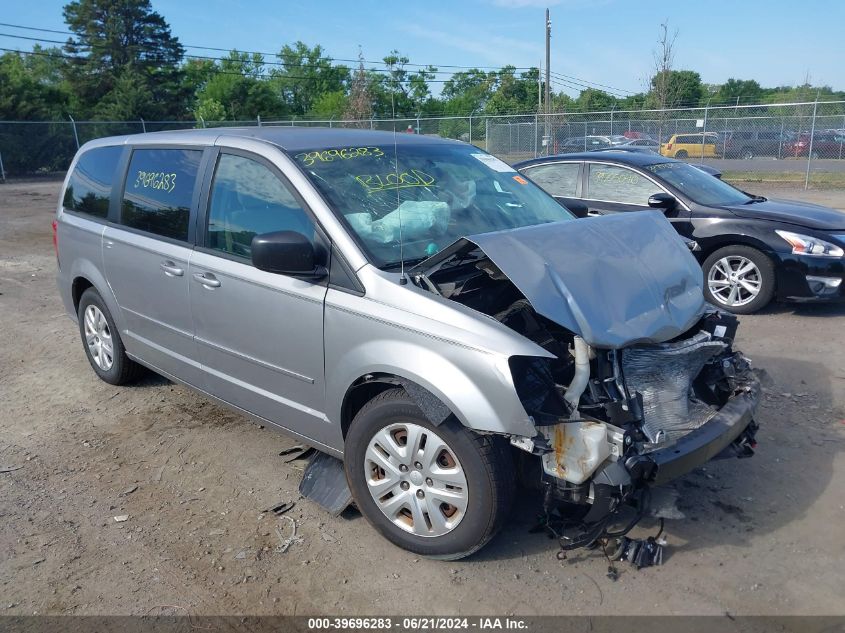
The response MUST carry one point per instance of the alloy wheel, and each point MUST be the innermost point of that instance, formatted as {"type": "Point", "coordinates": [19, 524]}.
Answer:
{"type": "Point", "coordinates": [98, 338]}
{"type": "Point", "coordinates": [416, 480]}
{"type": "Point", "coordinates": [734, 280]}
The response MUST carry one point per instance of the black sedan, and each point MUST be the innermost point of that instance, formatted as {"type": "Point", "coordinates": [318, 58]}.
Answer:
{"type": "Point", "coordinates": [751, 249]}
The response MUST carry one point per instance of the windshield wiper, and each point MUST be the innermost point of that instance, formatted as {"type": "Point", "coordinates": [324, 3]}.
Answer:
{"type": "Point", "coordinates": [409, 263]}
{"type": "Point", "coordinates": [755, 199]}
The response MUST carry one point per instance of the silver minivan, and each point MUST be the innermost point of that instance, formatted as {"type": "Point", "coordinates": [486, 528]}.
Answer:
{"type": "Point", "coordinates": [414, 307]}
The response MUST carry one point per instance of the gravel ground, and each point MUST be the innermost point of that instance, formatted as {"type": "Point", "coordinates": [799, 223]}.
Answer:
{"type": "Point", "coordinates": [760, 536]}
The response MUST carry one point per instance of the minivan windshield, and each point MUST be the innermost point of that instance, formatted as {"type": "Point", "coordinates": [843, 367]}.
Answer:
{"type": "Point", "coordinates": [423, 196]}
{"type": "Point", "coordinates": [697, 185]}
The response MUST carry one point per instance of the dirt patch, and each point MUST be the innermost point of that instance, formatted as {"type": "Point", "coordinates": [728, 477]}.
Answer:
{"type": "Point", "coordinates": [194, 482]}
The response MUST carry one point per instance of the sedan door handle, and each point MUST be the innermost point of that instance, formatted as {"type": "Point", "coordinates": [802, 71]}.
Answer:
{"type": "Point", "coordinates": [207, 279]}
{"type": "Point", "coordinates": [171, 270]}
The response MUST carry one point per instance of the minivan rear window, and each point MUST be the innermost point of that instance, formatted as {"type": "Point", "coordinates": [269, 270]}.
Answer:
{"type": "Point", "coordinates": [159, 189]}
{"type": "Point", "coordinates": [89, 187]}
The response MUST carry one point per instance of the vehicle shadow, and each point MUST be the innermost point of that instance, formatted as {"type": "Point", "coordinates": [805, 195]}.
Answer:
{"type": "Point", "coordinates": [730, 501]}
{"type": "Point", "coordinates": [152, 379]}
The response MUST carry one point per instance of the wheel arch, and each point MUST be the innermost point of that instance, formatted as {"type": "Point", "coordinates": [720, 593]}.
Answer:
{"type": "Point", "coordinates": [713, 244]}
{"type": "Point", "coordinates": [368, 386]}
{"type": "Point", "coordinates": [85, 274]}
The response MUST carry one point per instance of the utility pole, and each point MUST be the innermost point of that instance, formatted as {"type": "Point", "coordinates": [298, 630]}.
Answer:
{"type": "Point", "coordinates": [547, 136]}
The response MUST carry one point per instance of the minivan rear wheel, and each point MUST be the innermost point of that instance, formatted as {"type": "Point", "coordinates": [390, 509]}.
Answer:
{"type": "Point", "coordinates": [441, 491]}
{"type": "Point", "coordinates": [102, 343]}
{"type": "Point", "coordinates": [739, 279]}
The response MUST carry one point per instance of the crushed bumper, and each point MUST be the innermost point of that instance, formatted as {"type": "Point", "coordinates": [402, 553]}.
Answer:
{"type": "Point", "coordinates": [706, 442]}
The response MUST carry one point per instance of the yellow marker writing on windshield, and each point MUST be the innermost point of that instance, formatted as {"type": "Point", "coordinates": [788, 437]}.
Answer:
{"type": "Point", "coordinates": [393, 180]}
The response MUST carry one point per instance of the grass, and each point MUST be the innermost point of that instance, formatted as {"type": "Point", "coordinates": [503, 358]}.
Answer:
{"type": "Point", "coordinates": [822, 179]}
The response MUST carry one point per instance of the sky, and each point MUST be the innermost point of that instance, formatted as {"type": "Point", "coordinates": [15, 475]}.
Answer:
{"type": "Point", "coordinates": [607, 42]}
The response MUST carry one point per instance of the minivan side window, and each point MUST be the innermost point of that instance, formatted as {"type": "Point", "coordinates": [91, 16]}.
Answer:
{"type": "Point", "coordinates": [559, 179]}
{"type": "Point", "coordinates": [159, 189]}
{"type": "Point", "coordinates": [89, 188]}
{"type": "Point", "coordinates": [248, 199]}
{"type": "Point", "coordinates": [617, 184]}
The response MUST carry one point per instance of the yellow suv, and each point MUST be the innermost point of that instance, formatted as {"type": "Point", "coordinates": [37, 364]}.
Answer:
{"type": "Point", "coordinates": [696, 145]}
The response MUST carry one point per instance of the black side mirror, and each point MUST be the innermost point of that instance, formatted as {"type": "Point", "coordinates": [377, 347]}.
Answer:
{"type": "Point", "coordinates": [662, 201]}
{"type": "Point", "coordinates": [286, 253]}
{"type": "Point", "coordinates": [578, 209]}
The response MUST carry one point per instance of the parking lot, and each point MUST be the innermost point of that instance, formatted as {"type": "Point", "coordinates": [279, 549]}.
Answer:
{"type": "Point", "coordinates": [758, 536]}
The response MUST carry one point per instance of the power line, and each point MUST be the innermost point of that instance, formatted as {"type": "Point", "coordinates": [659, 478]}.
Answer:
{"type": "Point", "coordinates": [585, 82]}
{"type": "Point", "coordinates": [226, 50]}
{"type": "Point", "coordinates": [217, 71]}
{"type": "Point", "coordinates": [567, 80]}
{"type": "Point", "coordinates": [264, 62]}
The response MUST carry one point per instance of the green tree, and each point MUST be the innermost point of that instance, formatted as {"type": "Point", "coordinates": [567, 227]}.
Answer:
{"type": "Point", "coordinates": [32, 87]}
{"type": "Point", "coordinates": [305, 76]}
{"type": "Point", "coordinates": [738, 91]}
{"type": "Point", "coordinates": [593, 100]}
{"type": "Point", "coordinates": [467, 91]}
{"type": "Point", "coordinates": [683, 88]}
{"type": "Point", "coordinates": [401, 91]}
{"type": "Point", "coordinates": [120, 44]}
{"type": "Point", "coordinates": [329, 105]}
{"type": "Point", "coordinates": [237, 85]}
{"type": "Point", "coordinates": [514, 94]}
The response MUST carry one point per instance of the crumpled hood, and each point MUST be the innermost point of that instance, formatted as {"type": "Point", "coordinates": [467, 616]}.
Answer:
{"type": "Point", "coordinates": [614, 280]}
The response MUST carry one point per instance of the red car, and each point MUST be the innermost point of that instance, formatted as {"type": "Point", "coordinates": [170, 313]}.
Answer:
{"type": "Point", "coordinates": [825, 145]}
{"type": "Point", "coordinates": [636, 135]}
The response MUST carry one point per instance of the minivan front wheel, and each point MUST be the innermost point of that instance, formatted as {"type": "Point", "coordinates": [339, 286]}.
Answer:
{"type": "Point", "coordinates": [739, 279]}
{"type": "Point", "coordinates": [102, 343]}
{"type": "Point", "coordinates": [441, 491]}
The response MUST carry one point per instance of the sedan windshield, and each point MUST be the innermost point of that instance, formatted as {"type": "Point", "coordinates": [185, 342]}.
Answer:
{"type": "Point", "coordinates": [698, 186]}
{"type": "Point", "coordinates": [411, 200]}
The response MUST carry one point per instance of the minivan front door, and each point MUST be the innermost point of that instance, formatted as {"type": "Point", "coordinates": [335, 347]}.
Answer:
{"type": "Point", "coordinates": [259, 334]}
{"type": "Point", "coordinates": [147, 257]}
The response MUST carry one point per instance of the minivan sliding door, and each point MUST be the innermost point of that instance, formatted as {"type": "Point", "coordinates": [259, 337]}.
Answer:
{"type": "Point", "coordinates": [147, 258]}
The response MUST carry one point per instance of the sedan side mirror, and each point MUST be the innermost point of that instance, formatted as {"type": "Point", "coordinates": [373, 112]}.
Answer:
{"type": "Point", "coordinates": [286, 253]}
{"type": "Point", "coordinates": [662, 201]}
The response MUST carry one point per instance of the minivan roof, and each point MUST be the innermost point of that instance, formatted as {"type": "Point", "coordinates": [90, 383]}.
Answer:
{"type": "Point", "coordinates": [292, 139]}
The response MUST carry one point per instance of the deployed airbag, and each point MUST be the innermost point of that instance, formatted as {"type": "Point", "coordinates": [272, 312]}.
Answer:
{"type": "Point", "coordinates": [412, 220]}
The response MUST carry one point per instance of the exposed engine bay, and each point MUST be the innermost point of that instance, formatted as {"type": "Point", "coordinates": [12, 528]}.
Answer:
{"type": "Point", "coordinates": [610, 420]}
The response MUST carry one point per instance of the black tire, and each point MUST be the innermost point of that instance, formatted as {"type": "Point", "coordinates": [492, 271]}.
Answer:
{"type": "Point", "coordinates": [747, 153]}
{"type": "Point", "coordinates": [485, 459]}
{"type": "Point", "coordinates": [767, 278]}
{"type": "Point", "coordinates": [681, 154]}
{"type": "Point", "coordinates": [123, 370]}
{"type": "Point", "coordinates": [815, 155]}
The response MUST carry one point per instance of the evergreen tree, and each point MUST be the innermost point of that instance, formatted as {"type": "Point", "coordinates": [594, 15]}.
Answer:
{"type": "Point", "coordinates": [123, 45]}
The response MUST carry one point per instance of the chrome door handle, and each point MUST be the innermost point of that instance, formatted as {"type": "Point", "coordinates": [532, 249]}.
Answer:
{"type": "Point", "coordinates": [593, 214]}
{"type": "Point", "coordinates": [171, 270]}
{"type": "Point", "coordinates": [207, 279]}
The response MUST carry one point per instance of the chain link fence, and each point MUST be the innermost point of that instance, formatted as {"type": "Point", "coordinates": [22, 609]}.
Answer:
{"type": "Point", "coordinates": [800, 143]}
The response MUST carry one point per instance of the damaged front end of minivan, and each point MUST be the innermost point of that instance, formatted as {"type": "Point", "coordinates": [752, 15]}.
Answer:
{"type": "Point", "coordinates": [644, 384]}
